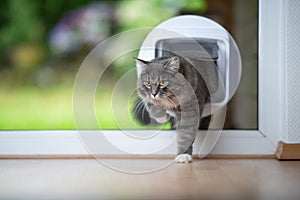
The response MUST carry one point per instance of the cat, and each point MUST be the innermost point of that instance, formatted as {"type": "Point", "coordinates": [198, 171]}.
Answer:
{"type": "Point", "coordinates": [174, 88]}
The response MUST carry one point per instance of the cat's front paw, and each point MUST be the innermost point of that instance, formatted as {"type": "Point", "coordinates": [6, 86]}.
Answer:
{"type": "Point", "coordinates": [162, 119]}
{"type": "Point", "coordinates": [184, 158]}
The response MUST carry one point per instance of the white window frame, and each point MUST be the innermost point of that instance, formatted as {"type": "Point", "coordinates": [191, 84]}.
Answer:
{"type": "Point", "coordinates": [232, 142]}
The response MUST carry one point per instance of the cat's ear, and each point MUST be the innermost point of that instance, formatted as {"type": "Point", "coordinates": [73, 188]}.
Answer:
{"type": "Point", "coordinates": [141, 64]}
{"type": "Point", "coordinates": [173, 63]}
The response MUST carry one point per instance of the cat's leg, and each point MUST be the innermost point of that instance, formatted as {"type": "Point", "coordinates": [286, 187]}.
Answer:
{"type": "Point", "coordinates": [187, 155]}
{"type": "Point", "coordinates": [157, 113]}
{"type": "Point", "coordinates": [187, 130]}
{"type": "Point", "coordinates": [190, 149]}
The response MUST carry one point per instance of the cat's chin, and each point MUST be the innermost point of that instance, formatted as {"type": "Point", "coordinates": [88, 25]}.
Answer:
{"type": "Point", "coordinates": [184, 158]}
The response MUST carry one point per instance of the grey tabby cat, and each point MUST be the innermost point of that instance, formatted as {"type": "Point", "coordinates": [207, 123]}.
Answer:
{"type": "Point", "coordinates": [174, 87]}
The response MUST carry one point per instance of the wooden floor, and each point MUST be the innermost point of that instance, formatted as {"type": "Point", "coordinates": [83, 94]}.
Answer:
{"type": "Point", "coordinates": [204, 179]}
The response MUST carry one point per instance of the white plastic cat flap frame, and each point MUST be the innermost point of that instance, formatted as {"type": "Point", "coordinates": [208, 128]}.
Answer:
{"type": "Point", "coordinates": [211, 38]}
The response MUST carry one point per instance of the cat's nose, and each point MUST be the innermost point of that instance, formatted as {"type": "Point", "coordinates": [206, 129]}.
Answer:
{"type": "Point", "coordinates": [153, 94]}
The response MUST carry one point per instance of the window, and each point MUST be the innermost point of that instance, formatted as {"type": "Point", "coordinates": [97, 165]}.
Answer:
{"type": "Point", "coordinates": [38, 71]}
{"type": "Point", "coordinates": [57, 74]}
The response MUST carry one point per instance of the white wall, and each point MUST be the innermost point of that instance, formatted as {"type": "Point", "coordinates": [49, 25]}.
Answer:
{"type": "Point", "coordinates": [279, 70]}
{"type": "Point", "coordinates": [290, 27]}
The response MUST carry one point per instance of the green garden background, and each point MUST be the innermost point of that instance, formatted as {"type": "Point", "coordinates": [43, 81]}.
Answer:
{"type": "Point", "coordinates": [44, 42]}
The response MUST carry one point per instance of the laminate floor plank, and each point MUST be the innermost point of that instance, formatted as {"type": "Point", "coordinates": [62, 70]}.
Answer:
{"type": "Point", "coordinates": [203, 179]}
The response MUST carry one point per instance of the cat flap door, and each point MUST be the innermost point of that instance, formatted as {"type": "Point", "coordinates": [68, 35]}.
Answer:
{"type": "Point", "coordinates": [206, 40]}
{"type": "Point", "coordinates": [203, 54]}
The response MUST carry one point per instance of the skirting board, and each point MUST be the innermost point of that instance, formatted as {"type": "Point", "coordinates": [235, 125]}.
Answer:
{"type": "Point", "coordinates": [286, 151]}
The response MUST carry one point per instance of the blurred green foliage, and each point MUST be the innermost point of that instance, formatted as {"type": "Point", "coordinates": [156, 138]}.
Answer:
{"type": "Point", "coordinates": [35, 83]}
{"type": "Point", "coordinates": [23, 21]}
{"type": "Point", "coordinates": [137, 14]}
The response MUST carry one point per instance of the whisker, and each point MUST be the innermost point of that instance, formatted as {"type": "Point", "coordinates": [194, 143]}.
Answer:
{"type": "Point", "coordinates": [138, 106]}
{"type": "Point", "coordinates": [139, 110]}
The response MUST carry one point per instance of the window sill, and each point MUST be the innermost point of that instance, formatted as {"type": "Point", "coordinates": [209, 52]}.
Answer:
{"type": "Point", "coordinates": [67, 144]}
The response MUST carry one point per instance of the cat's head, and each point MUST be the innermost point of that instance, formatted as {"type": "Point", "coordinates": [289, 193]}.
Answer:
{"type": "Point", "coordinates": [156, 80]}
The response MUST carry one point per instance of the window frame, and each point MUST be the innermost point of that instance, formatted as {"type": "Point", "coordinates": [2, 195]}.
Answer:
{"type": "Point", "coordinates": [262, 141]}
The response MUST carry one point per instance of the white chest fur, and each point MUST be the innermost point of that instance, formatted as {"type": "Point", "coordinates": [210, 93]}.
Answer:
{"type": "Point", "coordinates": [171, 113]}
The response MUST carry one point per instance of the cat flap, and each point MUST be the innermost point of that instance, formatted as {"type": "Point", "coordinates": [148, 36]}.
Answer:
{"type": "Point", "coordinates": [201, 53]}
{"type": "Point", "coordinates": [200, 48]}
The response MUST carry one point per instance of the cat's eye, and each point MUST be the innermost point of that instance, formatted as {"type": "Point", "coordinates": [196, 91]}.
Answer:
{"type": "Point", "coordinates": [163, 83]}
{"type": "Point", "coordinates": [147, 84]}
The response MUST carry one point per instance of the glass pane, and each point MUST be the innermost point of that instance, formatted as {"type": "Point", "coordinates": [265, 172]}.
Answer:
{"type": "Point", "coordinates": [42, 48]}
{"type": "Point", "coordinates": [240, 18]}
